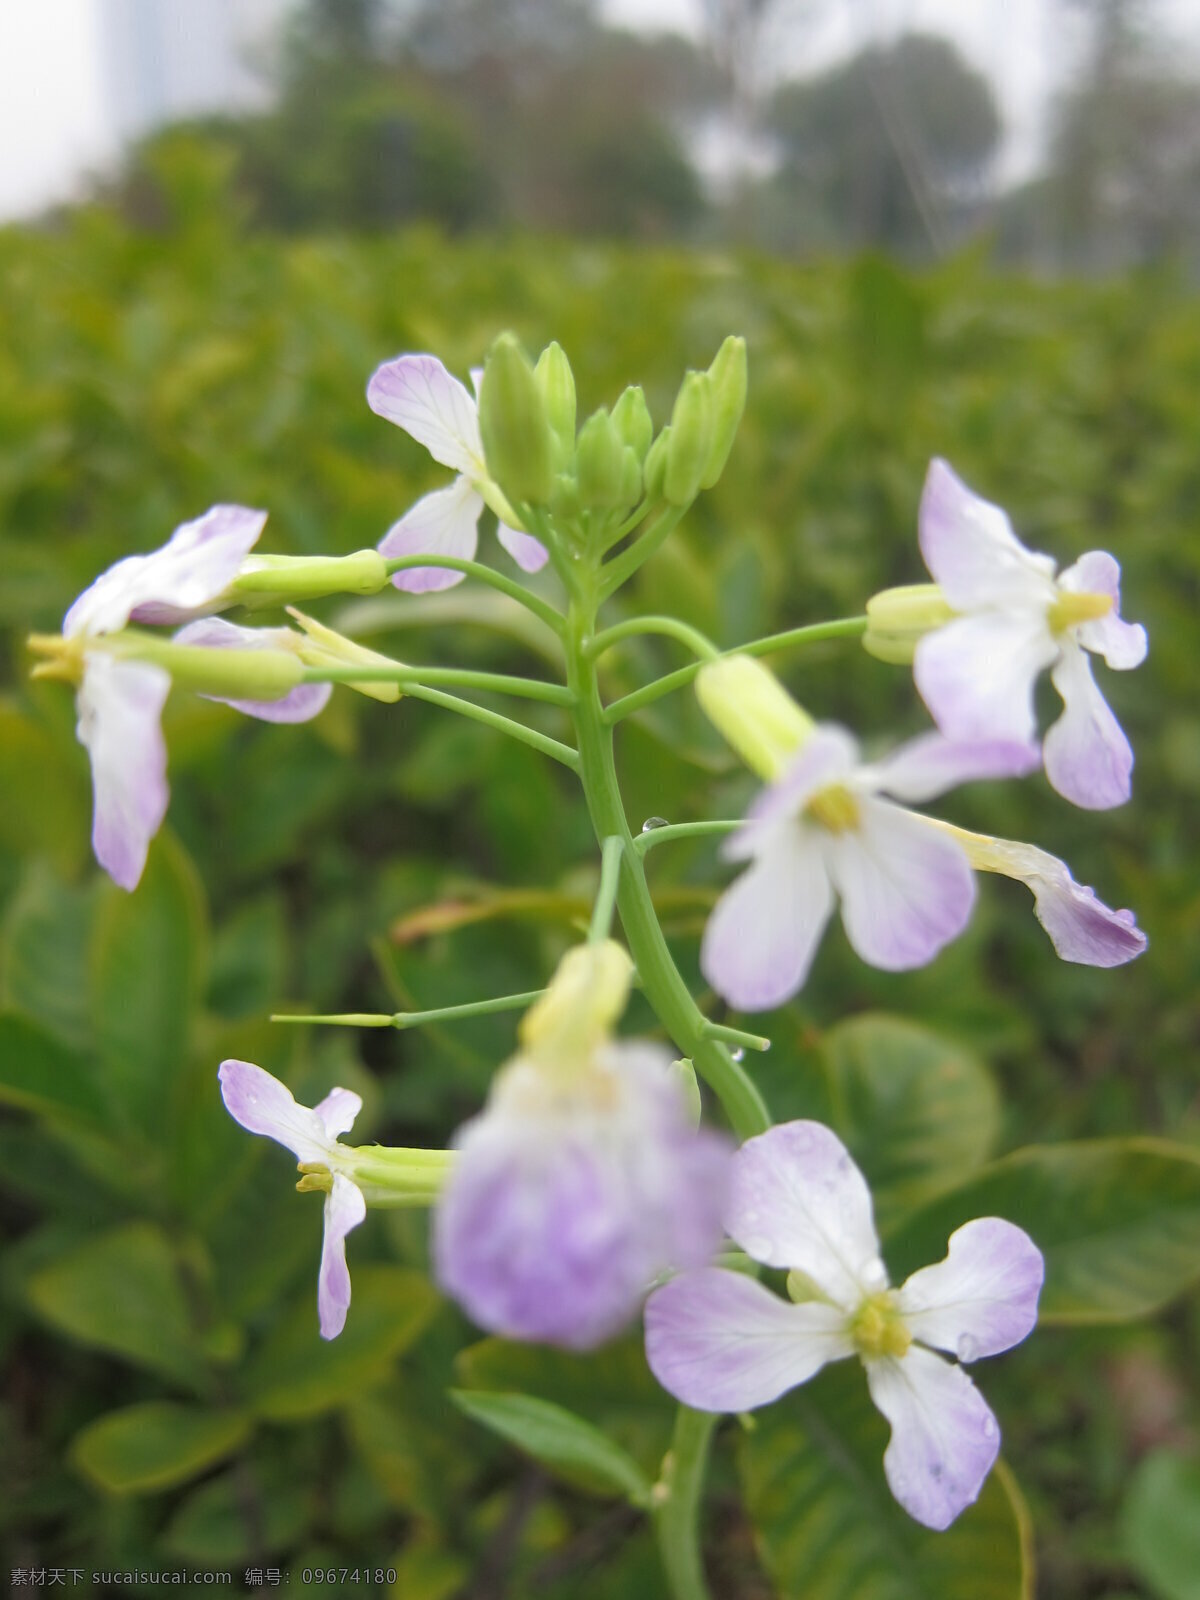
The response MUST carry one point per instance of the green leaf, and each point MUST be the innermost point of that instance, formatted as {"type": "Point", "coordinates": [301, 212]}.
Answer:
{"type": "Point", "coordinates": [40, 1076]}
{"type": "Point", "coordinates": [239, 1515]}
{"type": "Point", "coordinates": [155, 1445]}
{"type": "Point", "coordinates": [1160, 1525]}
{"type": "Point", "coordinates": [45, 956]}
{"type": "Point", "coordinates": [296, 1373]}
{"type": "Point", "coordinates": [123, 1293]}
{"type": "Point", "coordinates": [45, 793]}
{"type": "Point", "coordinates": [146, 962]}
{"type": "Point", "coordinates": [560, 1440]}
{"type": "Point", "coordinates": [1118, 1221]}
{"type": "Point", "coordinates": [828, 1527]}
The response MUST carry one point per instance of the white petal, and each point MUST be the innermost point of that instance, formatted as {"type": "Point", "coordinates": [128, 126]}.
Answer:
{"type": "Point", "coordinates": [1088, 758]}
{"type": "Point", "coordinates": [338, 1110]}
{"type": "Point", "coordinates": [977, 673]}
{"type": "Point", "coordinates": [906, 888]}
{"type": "Point", "coordinates": [1122, 644]}
{"type": "Point", "coordinates": [420, 396]}
{"type": "Point", "coordinates": [931, 764]}
{"type": "Point", "coordinates": [944, 1437]}
{"type": "Point", "coordinates": [971, 550]}
{"type": "Point", "coordinates": [170, 584]}
{"type": "Point", "coordinates": [797, 1200]}
{"type": "Point", "coordinates": [829, 755]}
{"type": "Point", "coordinates": [120, 709]}
{"type": "Point", "coordinates": [529, 553]}
{"type": "Point", "coordinates": [263, 1105]}
{"type": "Point", "coordinates": [719, 1341]}
{"type": "Point", "coordinates": [345, 1208]}
{"type": "Point", "coordinates": [764, 930]}
{"type": "Point", "coordinates": [983, 1297]}
{"type": "Point", "coordinates": [444, 523]}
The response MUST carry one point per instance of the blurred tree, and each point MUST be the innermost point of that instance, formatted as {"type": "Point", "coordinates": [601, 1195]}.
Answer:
{"type": "Point", "coordinates": [891, 148]}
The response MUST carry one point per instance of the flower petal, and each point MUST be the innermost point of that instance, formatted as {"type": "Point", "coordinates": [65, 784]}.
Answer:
{"type": "Point", "coordinates": [261, 1104]}
{"type": "Point", "coordinates": [1088, 758]}
{"type": "Point", "coordinates": [797, 1200]}
{"type": "Point", "coordinates": [345, 1208]}
{"type": "Point", "coordinates": [1081, 927]}
{"type": "Point", "coordinates": [931, 764]}
{"type": "Point", "coordinates": [983, 1297]}
{"type": "Point", "coordinates": [444, 523]}
{"type": "Point", "coordinates": [300, 704]}
{"type": "Point", "coordinates": [719, 1341]}
{"type": "Point", "coordinates": [1122, 644]}
{"type": "Point", "coordinates": [199, 560]}
{"type": "Point", "coordinates": [944, 1436]}
{"type": "Point", "coordinates": [971, 550]}
{"type": "Point", "coordinates": [529, 553]}
{"type": "Point", "coordinates": [829, 755]}
{"type": "Point", "coordinates": [906, 888]}
{"type": "Point", "coordinates": [977, 673]}
{"type": "Point", "coordinates": [420, 396]}
{"type": "Point", "coordinates": [764, 930]}
{"type": "Point", "coordinates": [120, 709]}
{"type": "Point", "coordinates": [338, 1110]}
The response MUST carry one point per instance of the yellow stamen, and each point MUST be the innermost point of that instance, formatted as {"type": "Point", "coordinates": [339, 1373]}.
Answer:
{"type": "Point", "coordinates": [316, 1178]}
{"type": "Point", "coordinates": [878, 1329]}
{"type": "Point", "coordinates": [65, 657]}
{"type": "Point", "coordinates": [834, 808]}
{"type": "Point", "coordinates": [1069, 610]}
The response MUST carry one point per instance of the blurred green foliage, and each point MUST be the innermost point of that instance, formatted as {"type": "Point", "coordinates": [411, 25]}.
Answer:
{"type": "Point", "coordinates": [166, 1393]}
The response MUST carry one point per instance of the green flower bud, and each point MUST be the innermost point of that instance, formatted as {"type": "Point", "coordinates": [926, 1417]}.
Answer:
{"type": "Point", "coordinates": [898, 618]}
{"type": "Point", "coordinates": [516, 433]}
{"type": "Point", "coordinates": [753, 712]}
{"type": "Point", "coordinates": [631, 415]}
{"type": "Point", "coordinates": [599, 462]}
{"type": "Point", "coordinates": [654, 468]}
{"type": "Point", "coordinates": [727, 379]}
{"type": "Point", "coordinates": [557, 384]}
{"type": "Point", "coordinates": [631, 477]}
{"type": "Point", "coordinates": [691, 438]}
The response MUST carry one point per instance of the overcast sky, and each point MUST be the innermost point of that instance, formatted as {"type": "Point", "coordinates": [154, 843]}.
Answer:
{"type": "Point", "coordinates": [60, 109]}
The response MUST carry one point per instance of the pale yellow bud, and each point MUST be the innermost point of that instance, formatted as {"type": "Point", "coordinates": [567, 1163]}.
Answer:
{"type": "Point", "coordinates": [753, 712]}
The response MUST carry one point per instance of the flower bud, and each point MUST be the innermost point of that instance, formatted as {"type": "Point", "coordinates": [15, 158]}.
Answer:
{"type": "Point", "coordinates": [631, 416]}
{"type": "Point", "coordinates": [654, 468]}
{"type": "Point", "coordinates": [586, 996]}
{"type": "Point", "coordinates": [690, 441]}
{"type": "Point", "coordinates": [727, 380]}
{"type": "Point", "coordinates": [600, 463]}
{"type": "Point", "coordinates": [274, 580]}
{"type": "Point", "coordinates": [898, 618]}
{"type": "Point", "coordinates": [557, 385]}
{"type": "Point", "coordinates": [753, 712]}
{"type": "Point", "coordinates": [516, 432]}
{"type": "Point", "coordinates": [684, 1074]}
{"type": "Point", "coordinates": [325, 647]}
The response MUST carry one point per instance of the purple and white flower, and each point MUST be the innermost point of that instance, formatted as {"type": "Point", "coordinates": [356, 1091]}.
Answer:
{"type": "Point", "coordinates": [720, 1341]}
{"type": "Point", "coordinates": [976, 674]}
{"type": "Point", "coordinates": [120, 726]}
{"type": "Point", "coordinates": [301, 704]}
{"type": "Point", "coordinates": [824, 830]}
{"type": "Point", "coordinates": [418, 394]}
{"type": "Point", "coordinates": [261, 1104]}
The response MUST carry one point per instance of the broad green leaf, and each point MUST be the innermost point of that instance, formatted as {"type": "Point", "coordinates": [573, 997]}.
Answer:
{"type": "Point", "coordinates": [241, 1514]}
{"type": "Point", "coordinates": [155, 1445]}
{"type": "Point", "coordinates": [45, 792]}
{"type": "Point", "coordinates": [146, 964]}
{"type": "Point", "coordinates": [828, 1527]}
{"type": "Point", "coordinates": [1160, 1525]}
{"type": "Point", "coordinates": [558, 1439]}
{"type": "Point", "coordinates": [45, 950]}
{"type": "Point", "coordinates": [1118, 1221]}
{"type": "Point", "coordinates": [41, 1076]}
{"type": "Point", "coordinates": [427, 1569]}
{"type": "Point", "coordinates": [123, 1292]}
{"type": "Point", "coordinates": [296, 1373]}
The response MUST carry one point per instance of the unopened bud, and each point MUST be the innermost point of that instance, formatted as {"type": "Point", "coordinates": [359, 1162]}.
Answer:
{"type": "Point", "coordinates": [586, 996]}
{"type": "Point", "coordinates": [898, 618]}
{"type": "Point", "coordinates": [631, 415]}
{"type": "Point", "coordinates": [654, 468]}
{"type": "Point", "coordinates": [557, 384]}
{"type": "Point", "coordinates": [599, 462]}
{"type": "Point", "coordinates": [753, 712]}
{"type": "Point", "coordinates": [691, 437]}
{"type": "Point", "coordinates": [684, 1074]}
{"type": "Point", "coordinates": [727, 383]}
{"type": "Point", "coordinates": [516, 433]}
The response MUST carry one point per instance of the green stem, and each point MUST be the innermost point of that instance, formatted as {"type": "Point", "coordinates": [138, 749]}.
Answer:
{"type": "Point", "coordinates": [737, 1036]}
{"type": "Point", "coordinates": [611, 852]}
{"type": "Point", "coordinates": [660, 978]}
{"type": "Point", "coordinates": [678, 1516]}
{"type": "Point", "coordinates": [493, 719]}
{"type": "Point", "coordinates": [695, 641]}
{"type": "Point", "coordinates": [815, 633]}
{"type": "Point", "coordinates": [621, 568]}
{"type": "Point", "coordinates": [418, 1019]}
{"type": "Point", "coordinates": [681, 830]}
{"type": "Point", "coordinates": [404, 674]}
{"type": "Point", "coordinates": [496, 580]}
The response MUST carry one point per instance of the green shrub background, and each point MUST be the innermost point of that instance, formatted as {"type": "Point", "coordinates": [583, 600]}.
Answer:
{"type": "Point", "coordinates": [157, 1256]}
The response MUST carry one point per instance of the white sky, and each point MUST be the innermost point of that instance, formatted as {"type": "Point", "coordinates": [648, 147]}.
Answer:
{"type": "Point", "coordinates": [58, 120]}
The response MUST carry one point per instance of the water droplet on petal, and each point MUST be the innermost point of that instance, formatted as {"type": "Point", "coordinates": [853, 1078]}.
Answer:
{"type": "Point", "coordinates": [654, 822]}
{"type": "Point", "coordinates": [739, 1054]}
{"type": "Point", "coordinates": [967, 1348]}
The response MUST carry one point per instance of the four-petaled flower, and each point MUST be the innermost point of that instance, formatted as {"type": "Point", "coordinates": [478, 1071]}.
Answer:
{"type": "Point", "coordinates": [905, 884]}
{"type": "Point", "coordinates": [418, 394]}
{"type": "Point", "coordinates": [264, 1105]}
{"type": "Point", "coordinates": [719, 1341]}
{"type": "Point", "coordinates": [976, 674]}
